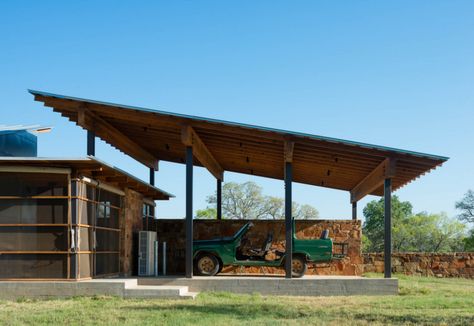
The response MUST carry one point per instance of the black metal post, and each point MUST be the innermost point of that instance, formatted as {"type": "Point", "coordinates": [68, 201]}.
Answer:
{"type": "Point", "coordinates": [152, 176]}
{"type": "Point", "coordinates": [189, 212]}
{"type": "Point", "coordinates": [354, 210]}
{"type": "Point", "coordinates": [388, 228]}
{"type": "Point", "coordinates": [288, 220]}
{"type": "Point", "coordinates": [219, 199]}
{"type": "Point", "coordinates": [90, 143]}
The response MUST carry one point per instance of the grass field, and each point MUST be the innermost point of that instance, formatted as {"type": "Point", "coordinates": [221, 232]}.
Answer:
{"type": "Point", "coordinates": [422, 300]}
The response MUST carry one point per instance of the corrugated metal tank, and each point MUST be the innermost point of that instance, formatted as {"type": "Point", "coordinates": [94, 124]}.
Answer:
{"type": "Point", "coordinates": [18, 143]}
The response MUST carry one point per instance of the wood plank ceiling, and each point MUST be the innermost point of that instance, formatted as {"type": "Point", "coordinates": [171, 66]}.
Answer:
{"type": "Point", "coordinates": [319, 161]}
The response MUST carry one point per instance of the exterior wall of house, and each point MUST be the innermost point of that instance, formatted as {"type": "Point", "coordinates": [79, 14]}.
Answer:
{"type": "Point", "coordinates": [96, 215]}
{"type": "Point", "coordinates": [54, 226]}
{"type": "Point", "coordinates": [348, 231]}
{"type": "Point", "coordinates": [34, 222]}
{"type": "Point", "coordinates": [131, 224]}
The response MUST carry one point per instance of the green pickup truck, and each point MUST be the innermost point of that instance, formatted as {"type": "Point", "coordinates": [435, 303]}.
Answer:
{"type": "Point", "coordinates": [211, 255]}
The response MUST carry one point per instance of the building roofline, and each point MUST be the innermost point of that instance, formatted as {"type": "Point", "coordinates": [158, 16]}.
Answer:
{"type": "Point", "coordinates": [249, 126]}
{"type": "Point", "coordinates": [82, 159]}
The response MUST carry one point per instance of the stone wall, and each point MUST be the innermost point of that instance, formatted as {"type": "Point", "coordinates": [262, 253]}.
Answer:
{"type": "Point", "coordinates": [130, 225]}
{"type": "Point", "coordinates": [349, 231]}
{"type": "Point", "coordinates": [424, 264]}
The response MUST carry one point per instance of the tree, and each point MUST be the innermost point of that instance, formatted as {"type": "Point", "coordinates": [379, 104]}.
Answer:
{"type": "Point", "coordinates": [469, 241]}
{"type": "Point", "coordinates": [466, 205]}
{"type": "Point", "coordinates": [207, 213]}
{"type": "Point", "coordinates": [246, 201]}
{"type": "Point", "coordinates": [241, 201]}
{"type": "Point", "coordinates": [275, 207]}
{"type": "Point", "coordinates": [304, 212]}
{"type": "Point", "coordinates": [434, 233]}
{"type": "Point", "coordinates": [373, 227]}
{"type": "Point", "coordinates": [420, 232]}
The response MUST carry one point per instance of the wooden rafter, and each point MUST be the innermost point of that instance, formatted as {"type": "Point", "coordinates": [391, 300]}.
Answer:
{"type": "Point", "coordinates": [373, 180]}
{"type": "Point", "coordinates": [189, 137]}
{"type": "Point", "coordinates": [91, 121]}
{"type": "Point", "coordinates": [320, 161]}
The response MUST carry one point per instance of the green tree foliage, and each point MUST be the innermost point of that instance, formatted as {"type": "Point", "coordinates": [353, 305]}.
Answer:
{"type": "Point", "coordinates": [246, 201]}
{"type": "Point", "coordinates": [304, 212]}
{"type": "Point", "coordinates": [469, 241]}
{"type": "Point", "coordinates": [411, 232]}
{"type": "Point", "coordinates": [373, 227]}
{"type": "Point", "coordinates": [207, 213]}
{"type": "Point", "coordinates": [466, 206]}
{"type": "Point", "coordinates": [434, 233]}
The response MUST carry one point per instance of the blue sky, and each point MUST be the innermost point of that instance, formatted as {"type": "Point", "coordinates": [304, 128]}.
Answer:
{"type": "Point", "coordinates": [398, 73]}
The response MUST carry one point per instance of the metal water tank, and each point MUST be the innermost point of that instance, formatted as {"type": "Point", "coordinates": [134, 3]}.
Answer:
{"type": "Point", "coordinates": [20, 141]}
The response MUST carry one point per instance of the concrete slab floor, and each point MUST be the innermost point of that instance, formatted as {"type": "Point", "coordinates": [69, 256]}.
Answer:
{"type": "Point", "coordinates": [313, 285]}
{"type": "Point", "coordinates": [180, 287]}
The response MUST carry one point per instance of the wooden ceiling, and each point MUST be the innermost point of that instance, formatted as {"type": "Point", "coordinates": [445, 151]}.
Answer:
{"type": "Point", "coordinates": [93, 168]}
{"type": "Point", "coordinates": [149, 136]}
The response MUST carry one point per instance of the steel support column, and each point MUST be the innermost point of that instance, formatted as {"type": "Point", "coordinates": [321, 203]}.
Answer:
{"type": "Point", "coordinates": [90, 143]}
{"type": "Point", "coordinates": [219, 199]}
{"type": "Point", "coordinates": [354, 210]}
{"type": "Point", "coordinates": [152, 176]}
{"type": "Point", "coordinates": [288, 219]}
{"type": "Point", "coordinates": [189, 212]}
{"type": "Point", "coordinates": [388, 228]}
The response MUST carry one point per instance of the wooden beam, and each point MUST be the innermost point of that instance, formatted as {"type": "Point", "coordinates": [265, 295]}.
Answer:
{"type": "Point", "coordinates": [91, 121]}
{"type": "Point", "coordinates": [289, 149]}
{"type": "Point", "coordinates": [374, 180]}
{"type": "Point", "coordinates": [117, 178]}
{"type": "Point", "coordinates": [190, 138]}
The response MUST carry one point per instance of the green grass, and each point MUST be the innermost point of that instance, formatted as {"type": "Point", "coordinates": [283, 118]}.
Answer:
{"type": "Point", "coordinates": [422, 300]}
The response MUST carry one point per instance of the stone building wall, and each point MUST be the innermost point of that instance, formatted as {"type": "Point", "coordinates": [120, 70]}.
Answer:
{"type": "Point", "coordinates": [424, 264]}
{"type": "Point", "coordinates": [130, 225]}
{"type": "Point", "coordinates": [349, 231]}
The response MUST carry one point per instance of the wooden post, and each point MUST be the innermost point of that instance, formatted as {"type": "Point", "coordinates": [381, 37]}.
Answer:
{"type": "Point", "coordinates": [354, 210]}
{"type": "Point", "coordinates": [219, 199]}
{"type": "Point", "coordinates": [189, 212]}
{"type": "Point", "coordinates": [90, 143]}
{"type": "Point", "coordinates": [388, 228]}
{"type": "Point", "coordinates": [288, 220]}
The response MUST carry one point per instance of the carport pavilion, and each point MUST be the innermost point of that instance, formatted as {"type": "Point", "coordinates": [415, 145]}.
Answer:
{"type": "Point", "coordinates": [151, 135]}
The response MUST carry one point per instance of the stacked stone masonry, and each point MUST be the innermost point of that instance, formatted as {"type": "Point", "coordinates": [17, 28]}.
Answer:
{"type": "Point", "coordinates": [424, 264]}
{"type": "Point", "coordinates": [130, 225]}
{"type": "Point", "coordinates": [346, 231]}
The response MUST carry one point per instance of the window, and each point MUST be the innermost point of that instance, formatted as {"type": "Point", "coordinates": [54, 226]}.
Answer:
{"type": "Point", "coordinates": [51, 226]}
{"type": "Point", "coordinates": [33, 184]}
{"type": "Point", "coordinates": [148, 217]}
{"type": "Point", "coordinates": [34, 221]}
{"type": "Point", "coordinates": [104, 210]}
{"type": "Point", "coordinates": [99, 230]}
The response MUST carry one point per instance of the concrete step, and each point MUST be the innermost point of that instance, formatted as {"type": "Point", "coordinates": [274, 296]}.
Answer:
{"type": "Point", "coordinates": [158, 291]}
{"type": "Point", "coordinates": [189, 295]}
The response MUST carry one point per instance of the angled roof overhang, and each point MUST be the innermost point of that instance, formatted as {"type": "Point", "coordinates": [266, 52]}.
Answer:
{"type": "Point", "coordinates": [92, 167]}
{"type": "Point", "coordinates": [150, 135]}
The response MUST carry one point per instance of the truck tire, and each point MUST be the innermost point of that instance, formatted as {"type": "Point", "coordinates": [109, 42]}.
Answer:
{"type": "Point", "coordinates": [299, 266]}
{"type": "Point", "coordinates": [207, 265]}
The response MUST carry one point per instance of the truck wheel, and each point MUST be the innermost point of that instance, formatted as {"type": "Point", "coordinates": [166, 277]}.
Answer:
{"type": "Point", "coordinates": [299, 266]}
{"type": "Point", "coordinates": [207, 265]}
